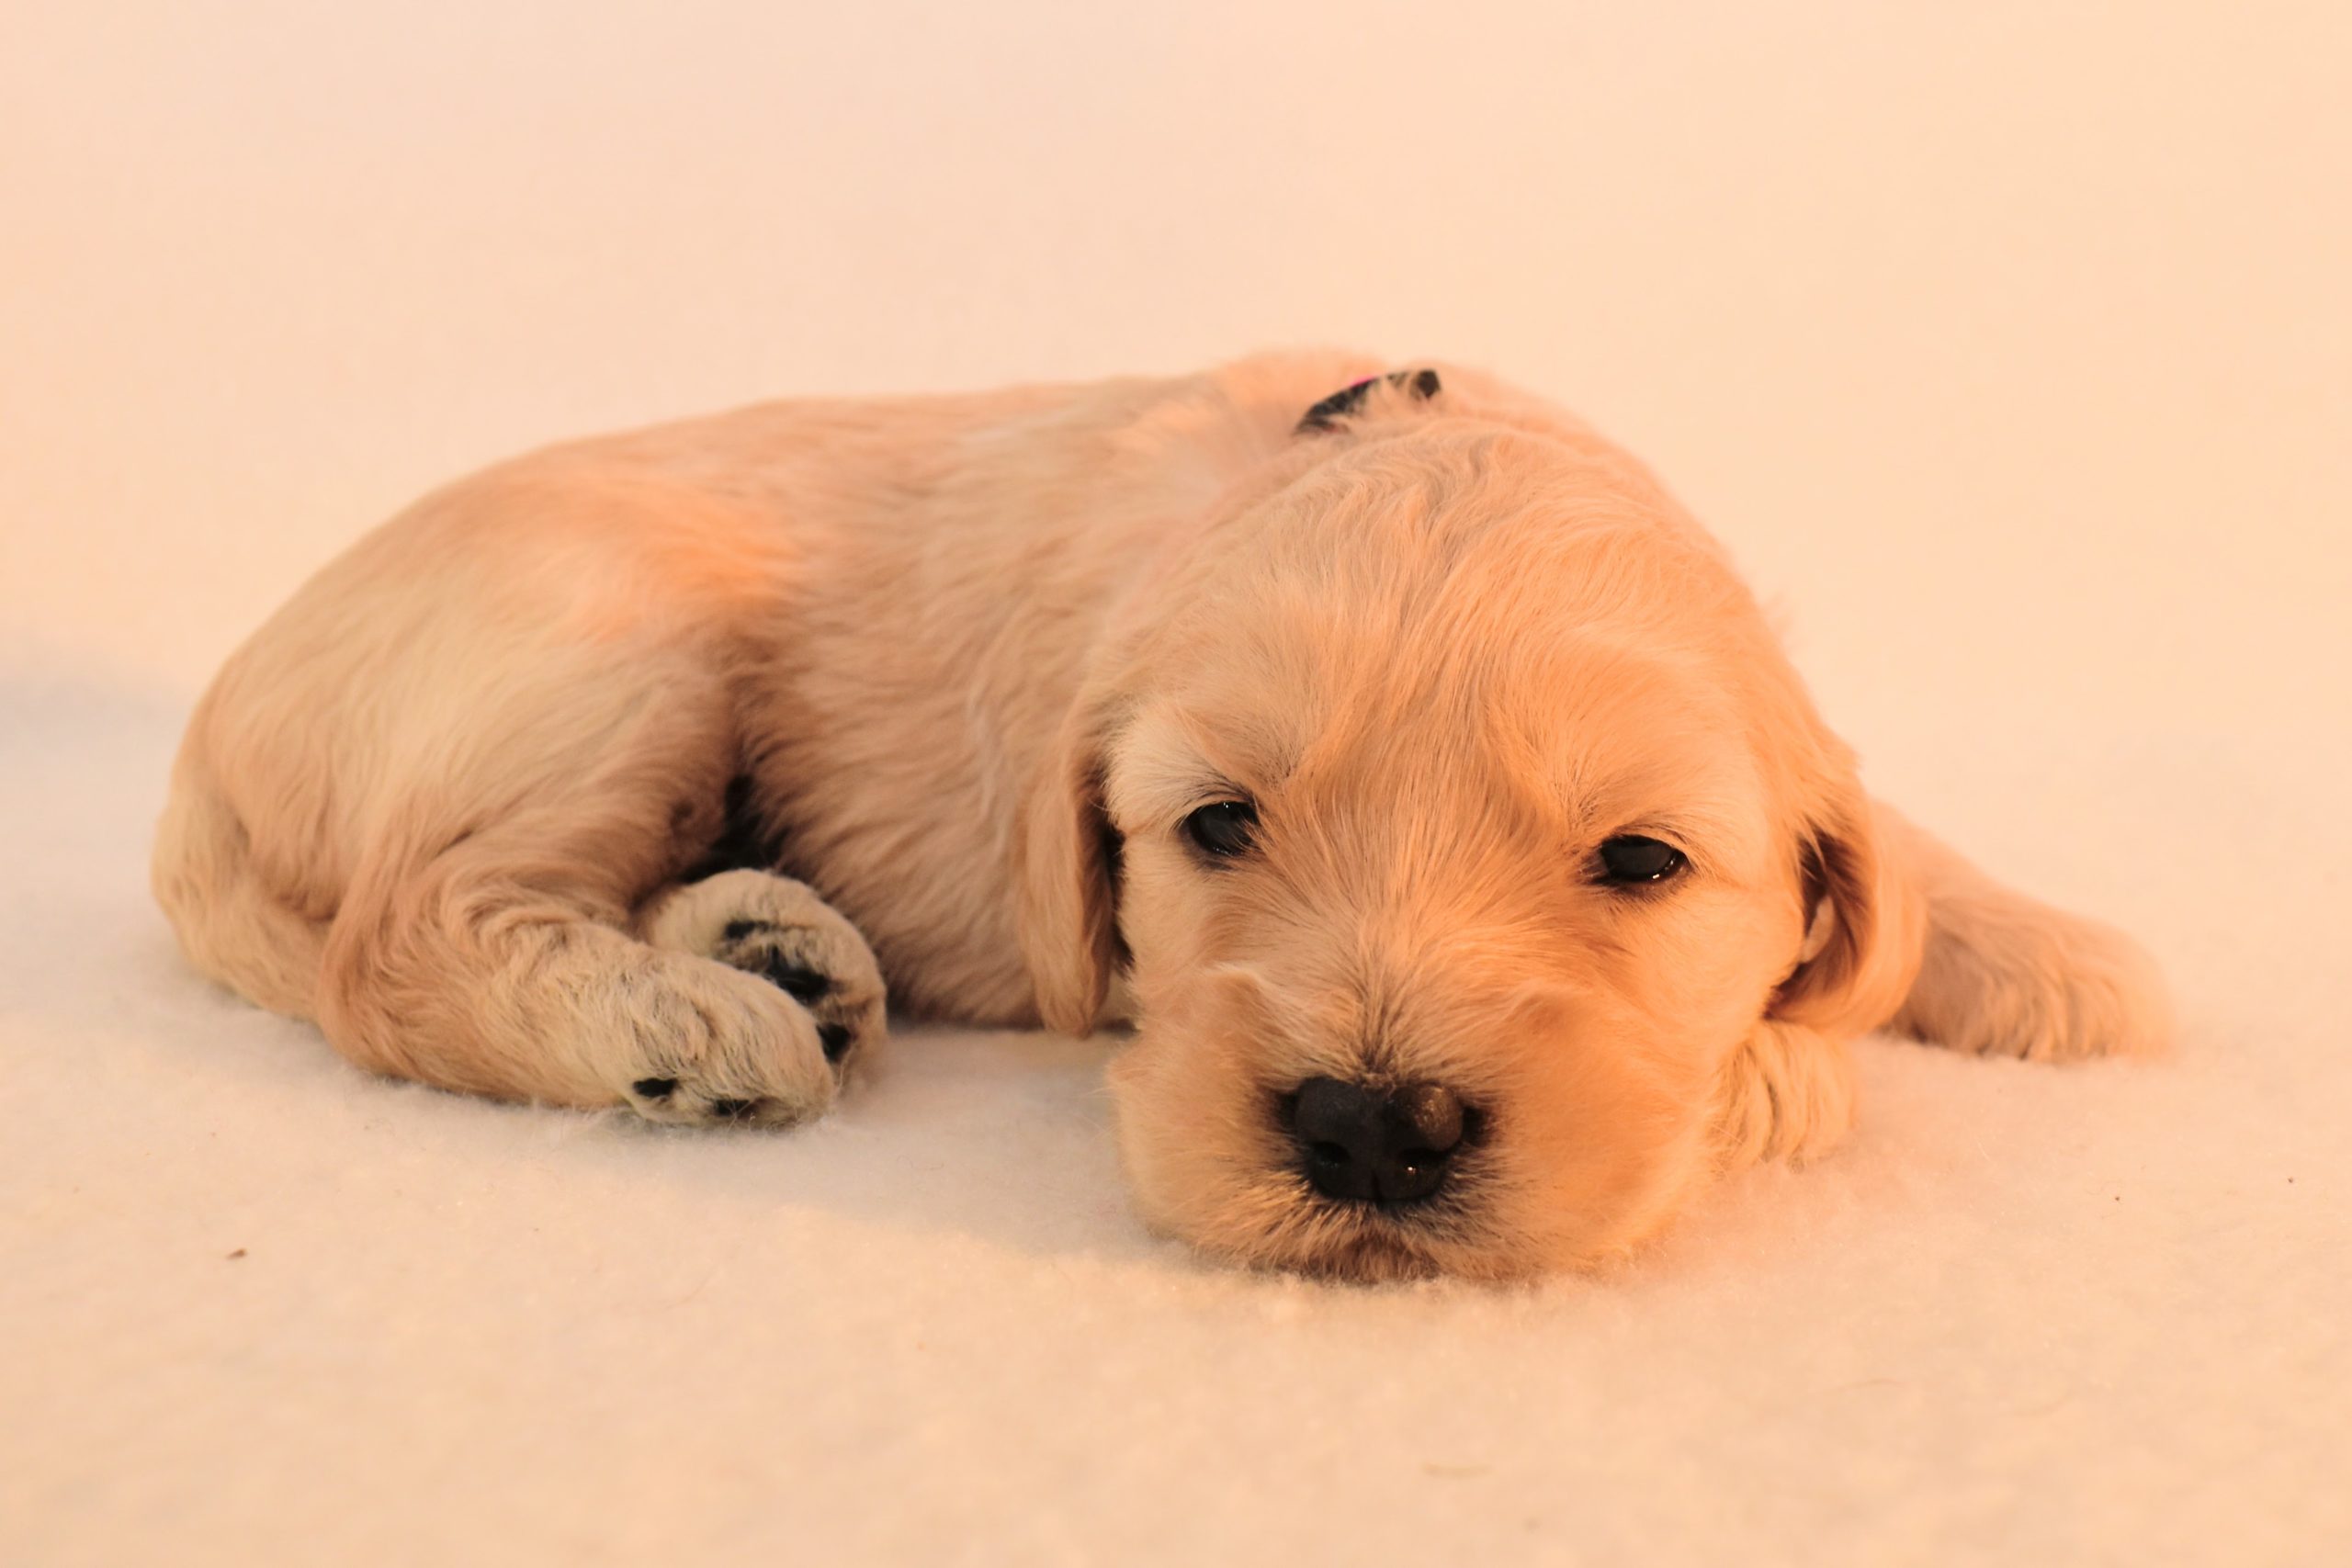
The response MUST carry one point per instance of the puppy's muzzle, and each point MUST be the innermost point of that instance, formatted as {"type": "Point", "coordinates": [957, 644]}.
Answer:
{"type": "Point", "coordinates": [1366, 1145]}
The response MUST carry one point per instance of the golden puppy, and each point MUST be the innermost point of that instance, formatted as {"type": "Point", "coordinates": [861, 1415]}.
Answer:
{"type": "Point", "coordinates": [1392, 750]}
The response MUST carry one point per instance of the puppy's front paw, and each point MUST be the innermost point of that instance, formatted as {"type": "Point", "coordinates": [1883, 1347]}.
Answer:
{"type": "Point", "coordinates": [2011, 976]}
{"type": "Point", "coordinates": [780, 931]}
{"type": "Point", "coordinates": [1787, 1093]}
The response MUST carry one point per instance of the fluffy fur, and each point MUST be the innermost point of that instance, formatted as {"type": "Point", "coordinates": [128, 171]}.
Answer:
{"type": "Point", "coordinates": [943, 675]}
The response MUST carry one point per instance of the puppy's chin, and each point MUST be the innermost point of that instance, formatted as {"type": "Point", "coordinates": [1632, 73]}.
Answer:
{"type": "Point", "coordinates": [1554, 1185]}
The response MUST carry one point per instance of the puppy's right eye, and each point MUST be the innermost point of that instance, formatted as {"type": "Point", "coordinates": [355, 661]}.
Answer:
{"type": "Point", "coordinates": [1222, 829]}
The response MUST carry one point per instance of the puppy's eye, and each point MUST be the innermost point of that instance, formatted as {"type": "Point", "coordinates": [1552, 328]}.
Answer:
{"type": "Point", "coordinates": [1629, 858]}
{"type": "Point", "coordinates": [1223, 829]}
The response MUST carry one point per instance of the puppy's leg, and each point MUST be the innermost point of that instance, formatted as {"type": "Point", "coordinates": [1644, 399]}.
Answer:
{"type": "Point", "coordinates": [1787, 1093]}
{"type": "Point", "coordinates": [2004, 974]}
{"type": "Point", "coordinates": [463, 973]}
{"type": "Point", "coordinates": [484, 942]}
{"type": "Point", "coordinates": [779, 930]}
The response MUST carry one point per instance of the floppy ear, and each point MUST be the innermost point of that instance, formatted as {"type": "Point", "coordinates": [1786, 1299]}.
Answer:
{"type": "Point", "coordinates": [1866, 922]}
{"type": "Point", "coordinates": [1069, 880]}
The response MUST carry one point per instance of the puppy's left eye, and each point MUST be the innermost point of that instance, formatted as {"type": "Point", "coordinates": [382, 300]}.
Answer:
{"type": "Point", "coordinates": [1631, 859]}
{"type": "Point", "coordinates": [1223, 828]}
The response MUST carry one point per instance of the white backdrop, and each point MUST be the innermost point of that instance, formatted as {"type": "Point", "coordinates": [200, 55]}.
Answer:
{"type": "Point", "coordinates": [2009, 346]}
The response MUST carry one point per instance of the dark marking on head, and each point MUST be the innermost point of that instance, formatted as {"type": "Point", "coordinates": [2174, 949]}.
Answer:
{"type": "Point", "coordinates": [1348, 401]}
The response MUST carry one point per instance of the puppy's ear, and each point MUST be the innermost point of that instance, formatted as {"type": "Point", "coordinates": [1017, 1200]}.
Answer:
{"type": "Point", "coordinates": [1069, 880]}
{"type": "Point", "coordinates": [1865, 919]}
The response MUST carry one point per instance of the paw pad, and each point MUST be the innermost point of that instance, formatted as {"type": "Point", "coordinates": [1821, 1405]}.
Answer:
{"type": "Point", "coordinates": [802, 984]}
{"type": "Point", "coordinates": [794, 960]}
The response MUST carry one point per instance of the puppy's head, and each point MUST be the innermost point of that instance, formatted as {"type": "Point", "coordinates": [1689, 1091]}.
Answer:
{"type": "Point", "coordinates": [1454, 817]}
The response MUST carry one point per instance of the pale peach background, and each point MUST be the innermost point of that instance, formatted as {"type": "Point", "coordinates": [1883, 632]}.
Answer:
{"type": "Point", "coordinates": [2061, 289]}
{"type": "Point", "coordinates": [2009, 346]}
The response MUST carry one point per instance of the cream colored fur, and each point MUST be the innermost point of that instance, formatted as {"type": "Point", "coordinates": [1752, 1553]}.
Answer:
{"type": "Point", "coordinates": [966, 662]}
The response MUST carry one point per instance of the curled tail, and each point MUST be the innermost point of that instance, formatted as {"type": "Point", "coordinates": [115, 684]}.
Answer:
{"type": "Point", "coordinates": [231, 925]}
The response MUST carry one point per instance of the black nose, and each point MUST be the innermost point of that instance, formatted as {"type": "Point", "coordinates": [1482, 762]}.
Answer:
{"type": "Point", "coordinates": [1368, 1143]}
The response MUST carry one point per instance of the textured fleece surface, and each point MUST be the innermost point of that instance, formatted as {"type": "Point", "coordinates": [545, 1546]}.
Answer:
{"type": "Point", "coordinates": [2007, 346]}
